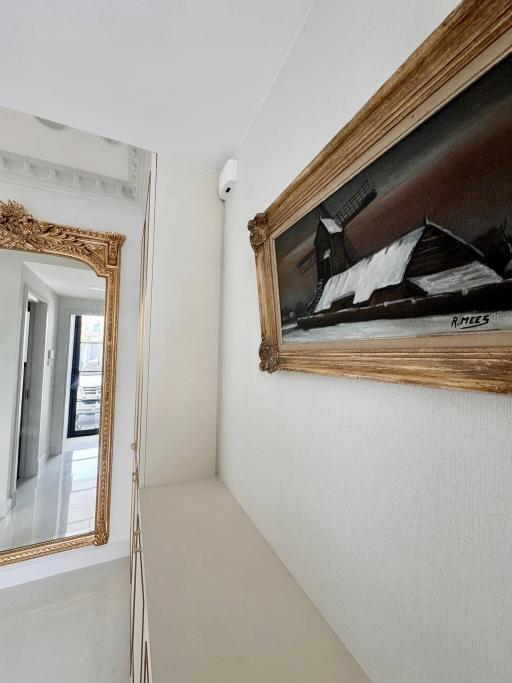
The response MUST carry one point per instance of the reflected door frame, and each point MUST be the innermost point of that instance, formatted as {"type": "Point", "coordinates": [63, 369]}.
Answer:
{"type": "Point", "coordinates": [15, 466]}
{"type": "Point", "coordinates": [74, 380]}
{"type": "Point", "coordinates": [25, 446]}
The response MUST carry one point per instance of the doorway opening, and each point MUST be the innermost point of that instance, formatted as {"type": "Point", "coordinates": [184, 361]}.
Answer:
{"type": "Point", "coordinates": [86, 375]}
{"type": "Point", "coordinates": [31, 387]}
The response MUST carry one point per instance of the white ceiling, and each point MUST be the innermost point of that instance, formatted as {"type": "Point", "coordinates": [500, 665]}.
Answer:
{"type": "Point", "coordinates": [180, 77]}
{"type": "Point", "coordinates": [72, 280]}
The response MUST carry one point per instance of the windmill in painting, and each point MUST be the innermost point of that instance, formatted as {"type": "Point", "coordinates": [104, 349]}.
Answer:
{"type": "Point", "coordinates": [419, 242]}
{"type": "Point", "coordinates": [427, 271]}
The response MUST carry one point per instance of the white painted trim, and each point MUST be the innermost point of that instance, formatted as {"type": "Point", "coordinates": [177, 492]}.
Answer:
{"type": "Point", "coordinates": [219, 355]}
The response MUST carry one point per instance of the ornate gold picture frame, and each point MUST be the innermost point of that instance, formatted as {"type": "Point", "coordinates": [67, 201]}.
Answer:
{"type": "Point", "coordinates": [102, 252]}
{"type": "Point", "coordinates": [474, 38]}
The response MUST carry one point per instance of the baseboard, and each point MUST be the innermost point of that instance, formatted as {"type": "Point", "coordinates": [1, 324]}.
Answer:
{"type": "Point", "coordinates": [41, 568]}
{"type": "Point", "coordinates": [44, 457]}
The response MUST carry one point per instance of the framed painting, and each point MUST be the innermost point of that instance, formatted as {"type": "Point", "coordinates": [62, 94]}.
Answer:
{"type": "Point", "coordinates": [390, 256]}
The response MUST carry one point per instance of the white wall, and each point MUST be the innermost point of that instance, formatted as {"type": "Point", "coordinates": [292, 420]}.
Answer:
{"type": "Point", "coordinates": [390, 504]}
{"type": "Point", "coordinates": [183, 325]}
{"type": "Point", "coordinates": [99, 215]}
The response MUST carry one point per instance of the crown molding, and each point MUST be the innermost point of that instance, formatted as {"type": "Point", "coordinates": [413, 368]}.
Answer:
{"type": "Point", "coordinates": [45, 174]}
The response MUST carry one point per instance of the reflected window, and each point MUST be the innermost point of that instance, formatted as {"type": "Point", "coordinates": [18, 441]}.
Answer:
{"type": "Point", "coordinates": [86, 373]}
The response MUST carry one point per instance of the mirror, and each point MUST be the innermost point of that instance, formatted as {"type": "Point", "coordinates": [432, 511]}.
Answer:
{"type": "Point", "coordinates": [58, 321]}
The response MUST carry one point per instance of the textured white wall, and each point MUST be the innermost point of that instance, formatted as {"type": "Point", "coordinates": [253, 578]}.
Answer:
{"type": "Point", "coordinates": [391, 505]}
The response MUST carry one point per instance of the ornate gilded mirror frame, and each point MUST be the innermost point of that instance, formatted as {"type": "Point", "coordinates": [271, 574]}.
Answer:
{"type": "Point", "coordinates": [102, 252]}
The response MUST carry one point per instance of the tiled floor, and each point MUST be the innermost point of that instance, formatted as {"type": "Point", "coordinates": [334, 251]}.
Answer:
{"type": "Point", "coordinates": [60, 501]}
{"type": "Point", "coordinates": [71, 628]}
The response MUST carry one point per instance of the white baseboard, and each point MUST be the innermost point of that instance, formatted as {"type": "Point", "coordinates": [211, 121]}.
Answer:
{"type": "Point", "coordinates": [41, 568]}
{"type": "Point", "coordinates": [5, 507]}
{"type": "Point", "coordinates": [43, 457]}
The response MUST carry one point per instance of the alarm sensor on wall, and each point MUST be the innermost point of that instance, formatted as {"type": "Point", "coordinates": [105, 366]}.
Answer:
{"type": "Point", "coordinates": [228, 178]}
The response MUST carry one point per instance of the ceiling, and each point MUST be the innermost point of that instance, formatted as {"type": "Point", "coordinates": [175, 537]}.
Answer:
{"type": "Point", "coordinates": [179, 77]}
{"type": "Point", "coordinates": [72, 280]}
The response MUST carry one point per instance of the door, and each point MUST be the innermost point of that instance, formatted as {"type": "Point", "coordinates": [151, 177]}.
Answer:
{"type": "Point", "coordinates": [25, 390]}
{"type": "Point", "coordinates": [32, 380]}
{"type": "Point", "coordinates": [86, 376]}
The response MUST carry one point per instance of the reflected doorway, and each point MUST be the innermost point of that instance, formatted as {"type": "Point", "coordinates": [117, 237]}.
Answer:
{"type": "Point", "coordinates": [25, 389]}
{"type": "Point", "coordinates": [31, 386]}
{"type": "Point", "coordinates": [86, 375]}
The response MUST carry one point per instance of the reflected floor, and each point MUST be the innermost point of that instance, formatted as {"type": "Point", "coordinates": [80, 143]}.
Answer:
{"type": "Point", "coordinates": [59, 502]}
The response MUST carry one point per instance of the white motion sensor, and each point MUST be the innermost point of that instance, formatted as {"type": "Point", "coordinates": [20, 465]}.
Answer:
{"type": "Point", "coordinates": [228, 178]}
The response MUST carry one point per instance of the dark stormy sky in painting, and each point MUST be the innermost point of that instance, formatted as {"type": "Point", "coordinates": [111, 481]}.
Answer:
{"type": "Point", "coordinates": [456, 169]}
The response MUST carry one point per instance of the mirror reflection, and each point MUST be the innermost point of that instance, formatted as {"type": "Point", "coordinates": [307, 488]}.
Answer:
{"type": "Point", "coordinates": [51, 349]}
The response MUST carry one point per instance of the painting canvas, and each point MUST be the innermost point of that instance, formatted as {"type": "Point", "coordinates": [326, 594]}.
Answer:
{"type": "Point", "coordinates": [419, 242]}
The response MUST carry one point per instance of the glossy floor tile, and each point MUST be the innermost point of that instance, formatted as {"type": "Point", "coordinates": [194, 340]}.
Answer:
{"type": "Point", "coordinates": [60, 501]}
{"type": "Point", "coordinates": [71, 628]}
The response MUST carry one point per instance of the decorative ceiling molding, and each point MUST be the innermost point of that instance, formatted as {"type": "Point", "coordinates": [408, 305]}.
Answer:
{"type": "Point", "coordinates": [41, 173]}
